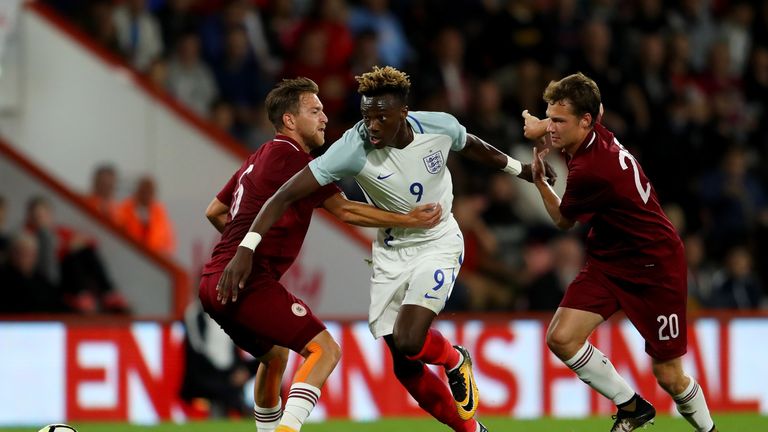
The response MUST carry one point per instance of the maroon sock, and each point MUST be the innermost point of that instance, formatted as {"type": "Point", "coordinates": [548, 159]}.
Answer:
{"type": "Point", "coordinates": [434, 397]}
{"type": "Point", "coordinates": [437, 351]}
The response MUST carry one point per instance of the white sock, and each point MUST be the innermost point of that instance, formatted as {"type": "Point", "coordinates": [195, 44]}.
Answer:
{"type": "Point", "coordinates": [594, 368]}
{"type": "Point", "coordinates": [301, 400]}
{"type": "Point", "coordinates": [267, 419]}
{"type": "Point", "coordinates": [692, 405]}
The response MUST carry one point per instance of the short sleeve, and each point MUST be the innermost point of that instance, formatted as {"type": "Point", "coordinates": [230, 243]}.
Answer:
{"type": "Point", "coordinates": [344, 158]}
{"type": "Point", "coordinates": [225, 194]}
{"type": "Point", "coordinates": [440, 123]}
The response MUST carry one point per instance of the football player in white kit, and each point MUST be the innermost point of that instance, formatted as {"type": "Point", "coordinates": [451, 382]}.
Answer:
{"type": "Point", "coordinates": [399, 160]}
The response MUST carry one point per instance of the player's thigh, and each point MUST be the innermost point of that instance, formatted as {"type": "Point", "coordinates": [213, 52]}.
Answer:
{"type": "Point", "coordinates": [590, 291]}
{"type": "Point", "coordinates": [657, 308]}
{"type": "Point", "coordinates": [266, 314]}
{"type": "Point", "coordinates": [434, 274]}
{"type": "Point", "coordinates": [572, 326]}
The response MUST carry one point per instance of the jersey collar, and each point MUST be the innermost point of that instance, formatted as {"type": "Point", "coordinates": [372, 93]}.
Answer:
{"type": "Point", "coordinates": [287, 140]}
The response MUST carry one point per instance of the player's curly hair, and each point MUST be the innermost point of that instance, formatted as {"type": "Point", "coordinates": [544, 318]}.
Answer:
{"type": "Point", "coordinates": [384, 80]}
{"type": "Point", "coordinates": [578, 89]}
{"type": "Point", "coordinates": [286, 97]}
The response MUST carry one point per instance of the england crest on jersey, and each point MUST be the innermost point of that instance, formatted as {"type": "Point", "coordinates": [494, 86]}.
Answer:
{"type": "Point", "coordinates": [434, 162]}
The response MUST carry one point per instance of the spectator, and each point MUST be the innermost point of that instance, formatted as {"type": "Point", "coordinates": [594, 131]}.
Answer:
{"type": "Point", "coordinates": [237, 75]}
{"type": "Point", "coordinates": [138, 34]}
{"type": "Point", "coordinates": [733, 201]}
{"type": "Point", "coordinates": [25, 288]}
{"type": "Point", "coordinates": [479, 264]}
{"type": "Point", "coordinates": [145, 219]}
{"type": "Point", "coordinates": [736, 286]}
{"type": "Point", "coordinates": [70, 259]}
{"type": "Point", "coordinates": [239, 14]}
{"type": "Point", "coordinates": [394, 48]}
{"type": "Point", "coordinates": [176, 18]}
{"type": "Point", "coordinates": [99, 24]}
{"type": "Point", "coordinates": [546, 291]}
{"type": "Point", "coordinates": [442, 77]}
{"type": "Point", "coordinates": [189, 78]}
{"type": "Point", "coordinates": [102, 196]}
{"type": "Point", "coordinates": [215, 369]}
{"type": "Point", "coordinates": [700, 271]}
{"type": "Point", "coordinates": [157, 74]}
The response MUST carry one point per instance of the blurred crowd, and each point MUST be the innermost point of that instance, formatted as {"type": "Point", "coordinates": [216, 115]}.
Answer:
{"type": "Point", "coordinates": [49, 267]}
{"type": "Point", "coordinates": [684, 84]}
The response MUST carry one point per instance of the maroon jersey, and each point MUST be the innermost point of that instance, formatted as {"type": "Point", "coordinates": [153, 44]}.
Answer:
{"type": "Point", "coordinates": [246, 192]}
{"type": "Point", "coordinates": [608, 189]}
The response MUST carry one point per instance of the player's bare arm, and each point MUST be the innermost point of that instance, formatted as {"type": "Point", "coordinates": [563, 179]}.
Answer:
{"type": "Point", "coordinates": [217, 214]}
{"type": "Point", "coordinates": [237, 271]}
{"type": "Point", "coordinates": [548, 195]}
{"type": "Point", "coordinates": [534, 128]}
{"type": "Point", "coordinates": [362, 214]}
{"type": "Point", "coordinates": [481, 151]}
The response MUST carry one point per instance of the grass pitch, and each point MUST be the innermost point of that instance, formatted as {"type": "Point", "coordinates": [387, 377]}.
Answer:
{"type": "Point", "coordinates": [725, 422]}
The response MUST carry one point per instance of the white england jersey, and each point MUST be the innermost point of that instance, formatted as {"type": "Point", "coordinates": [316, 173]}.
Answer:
{"type": "Point", "coordinates": [400, 179]}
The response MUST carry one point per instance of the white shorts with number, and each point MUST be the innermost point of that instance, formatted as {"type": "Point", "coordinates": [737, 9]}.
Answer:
{"type": "Point", "coordinates": [421, 275]}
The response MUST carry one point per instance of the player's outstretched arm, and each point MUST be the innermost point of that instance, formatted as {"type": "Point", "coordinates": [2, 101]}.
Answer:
{"type": "Point", "coordinates": [548, 195]}
{"type": "Point", "coordinates": [217, 214]}
{"type": "Point", "coordinates": [237, 271]}
{"type": "Point", "coordinates": [361, 214]}
{"type": "Point", "coordinates": [534, 128]}
{"type": "Point", "coordinates": [481, 151]}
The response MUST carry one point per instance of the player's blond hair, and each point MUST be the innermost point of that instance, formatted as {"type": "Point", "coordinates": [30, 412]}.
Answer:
{"type": "Point", "coordinates": [384, 80]}
{"type": "Point", "coordinates": [577, 89]}
{"type": "Point", "coordinates": [286, 98]}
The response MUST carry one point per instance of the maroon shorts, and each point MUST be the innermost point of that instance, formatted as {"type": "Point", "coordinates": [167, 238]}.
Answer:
{"type": "Point", "coordinates": [265, 314]}
{"type": "Point", "coordinates": [654, 301]}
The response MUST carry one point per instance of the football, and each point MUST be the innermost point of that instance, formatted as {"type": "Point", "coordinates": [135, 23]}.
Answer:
{"type": "Point", "coordinates": [58, 428]}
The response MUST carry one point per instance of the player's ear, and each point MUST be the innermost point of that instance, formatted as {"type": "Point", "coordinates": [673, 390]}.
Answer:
{"type": "Point", "coordinates": [404, 112]}
{"type": "Point", "coordinates": [289, 121]}
{"type": "Point", "coordinates": [586, 120]}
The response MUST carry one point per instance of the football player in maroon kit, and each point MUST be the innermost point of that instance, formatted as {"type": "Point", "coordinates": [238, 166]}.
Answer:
{"type": "Point", "coordinates": [635, 259]}
{"type": "Point", "coordinates": [262, 317]}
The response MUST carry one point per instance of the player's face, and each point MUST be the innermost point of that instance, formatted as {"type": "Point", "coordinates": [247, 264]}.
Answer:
{"type": "Point", "coordinates": [311, 121]}
{"type": "Point", "coordinates": [565, 128]}
{"type": "Point", "coordinates": [384, 118]}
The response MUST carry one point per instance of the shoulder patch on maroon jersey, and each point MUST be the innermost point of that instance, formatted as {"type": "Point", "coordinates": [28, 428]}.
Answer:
{"type": "Point", "coordinates": [298, 309]}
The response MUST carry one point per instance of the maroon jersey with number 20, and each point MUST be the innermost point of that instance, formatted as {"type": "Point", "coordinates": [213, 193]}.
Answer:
{"type": "Point", "coordinates": [635, 258]}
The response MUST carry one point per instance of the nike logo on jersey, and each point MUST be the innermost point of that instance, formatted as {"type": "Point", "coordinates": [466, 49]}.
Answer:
{"type": "Point", "coordinates": [427, 296]}
{"type": "Point", "coordinates": [382, 177]}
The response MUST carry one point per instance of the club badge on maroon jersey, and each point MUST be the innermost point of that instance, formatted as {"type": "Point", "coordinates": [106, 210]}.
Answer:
{"type": "Point", "coordinates": [434, 162]}
{"type": "Point", "coordinates": [298, 309]}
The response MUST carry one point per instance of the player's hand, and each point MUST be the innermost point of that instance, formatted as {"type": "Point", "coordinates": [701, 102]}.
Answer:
{"type": "Point", "coordinates": [426, 216]}
{"type": "Point", "coordinates": [540, 167]}
{"type": "Point", "coordinates": [528, 174]}
{"type": "Point", "coordinates": [234, 276]}
{"type": "Point", "coordinates": [534, 128]}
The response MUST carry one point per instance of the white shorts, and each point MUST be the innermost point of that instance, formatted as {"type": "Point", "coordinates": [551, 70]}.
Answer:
{"type": "Point", "coordinates": [421, 275]}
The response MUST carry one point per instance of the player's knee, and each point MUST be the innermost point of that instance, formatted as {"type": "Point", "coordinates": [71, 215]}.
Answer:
{"type": "Point", "coordinates": [670, 378]}
{"type": "Point", "coordinates": [559, 342]}
{"type": "Point", "coordinates": [277, 357]}
{"type": "Point", "coordinates": [334, 352]}
{"type": "Point", "coordinates": [324, 347]}
{"type": "Point", "coordinates": [408, 343]}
